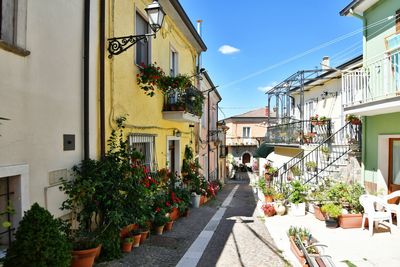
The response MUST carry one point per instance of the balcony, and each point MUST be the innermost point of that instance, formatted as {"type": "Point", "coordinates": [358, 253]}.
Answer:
{"type": "Point", "coordinates": [241, 141]}
{"type": "Point", "coordinates": [375, 88]}
{"type": "Point", "coordinates": [291, 134]}
{"type": "Point", "coordinates": [183, 105]}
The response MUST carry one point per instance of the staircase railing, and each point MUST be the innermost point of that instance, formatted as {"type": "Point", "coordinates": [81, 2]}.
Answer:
{"type": "Point", "coordinates": [316, 163]}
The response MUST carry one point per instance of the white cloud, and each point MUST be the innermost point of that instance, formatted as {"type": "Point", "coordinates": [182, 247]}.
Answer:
{"type": "Point", "coordinates": [265, 89]}
{"type": "Point", "coordinates": [227, 50]}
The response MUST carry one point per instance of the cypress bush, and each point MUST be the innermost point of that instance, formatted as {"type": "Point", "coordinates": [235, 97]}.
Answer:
{"type": "Point", "coordinates": [39, 242]}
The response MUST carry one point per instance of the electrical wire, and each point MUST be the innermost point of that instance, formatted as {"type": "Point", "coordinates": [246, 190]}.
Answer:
{"type": "Point", "coordinates": [323, 45]}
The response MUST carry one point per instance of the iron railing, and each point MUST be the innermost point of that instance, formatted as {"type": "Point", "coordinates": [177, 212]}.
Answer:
{"type": "Point", "coordinates": [376, 81]}
{"type": "Point", "coordinates": [318, 162]}
{"type": "Point", "coordinates": [299, 132]}
{"type": "Point", "coordinates": [189, 100]}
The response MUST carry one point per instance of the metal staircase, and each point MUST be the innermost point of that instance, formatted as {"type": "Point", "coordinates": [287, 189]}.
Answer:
{"type": "Point", "coordinates": [324, 159]}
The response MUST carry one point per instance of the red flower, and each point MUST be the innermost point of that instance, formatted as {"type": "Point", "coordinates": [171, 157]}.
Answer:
{"type": "Point", "coordinates": [158, 209]}
{"type": "Point", "coordinates": [168, 204]}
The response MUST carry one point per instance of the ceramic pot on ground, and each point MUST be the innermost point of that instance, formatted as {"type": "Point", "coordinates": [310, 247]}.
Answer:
{"type": "Point", "coordinates": [159, 229]}
{"type": "Point", "coordinates": [298, 209]}
{"type": "Point", "coordinates": [126, 247]}
{"type": "Point", "coordinates": [143, 235]}
{"type": "Point", "coordinates": [347, 221]}
{"type": "Point", "coordinates": [83, 258]}
{"type": "Point", "coordinates": [318, 213]}
{"type": "Point", "coordinates": [269, 199]}
{"type": "Point", "coordinates": [280, 209]}
{"type": "Point", "coordinates": [331, 222]}
{"type": "Point", "coordinates": [168, 226]}
{"type": "Point", "coordinates": [136, 240]}
{"type": "Point", "coordinates": [195, 201]}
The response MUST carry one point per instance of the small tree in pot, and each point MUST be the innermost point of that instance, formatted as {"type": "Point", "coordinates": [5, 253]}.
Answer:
{"type": "Point", "coordinates": [297, 198]}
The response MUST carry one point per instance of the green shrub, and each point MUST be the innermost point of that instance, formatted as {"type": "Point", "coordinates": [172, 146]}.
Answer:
{"type": "Point", "coordinates": [39, 242]}
{"type": "Point", "coordinates": [332, 210]}
{"type": "Point", "coordinates": [298, 192]}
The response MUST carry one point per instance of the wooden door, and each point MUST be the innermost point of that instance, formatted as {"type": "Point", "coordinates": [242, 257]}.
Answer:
{"type": "Point", "coordinates": [394, 165]}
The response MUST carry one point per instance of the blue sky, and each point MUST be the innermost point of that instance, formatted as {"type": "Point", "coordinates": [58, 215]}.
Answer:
{"type": "Point", "coordinates": [260, 34]}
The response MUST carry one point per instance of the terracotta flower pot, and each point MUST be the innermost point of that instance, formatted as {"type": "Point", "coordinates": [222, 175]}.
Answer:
{"type": "Point", "coordinates": [83, 258]}
{"type": "Point", "coordinates": [159, 229]}
{"type": "Point", "coordinates": [126, 247]}
{"type": "Point", "coordinates": [318, 213]}
{"type": "Point", "coordinates": [143, 236]}
{"type": "Point", "coordinates": [168, 226]}
{"type": "Point", "coordinates": [347, 221]}
{"type": "Point", "coordinates": [98, 250]}
{"type": "Point", "coordinates": [202, 200]}
{"type": "Point", "coordinates": [297, 252]}
{"type": "Point", "coordinates": [136, 240]}
{"type": "Point", "coordinates": [174, 215]}
{"type": "Point", "coordinates": [269, 199]}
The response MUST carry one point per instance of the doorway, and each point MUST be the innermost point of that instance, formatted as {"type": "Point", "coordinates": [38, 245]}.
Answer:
{"type": "Point", "coordinates": [173, 154]}
{"type": "Point", "coordinates": [246, 158]}
{"type": "Point", "coordinates": [394, 165]}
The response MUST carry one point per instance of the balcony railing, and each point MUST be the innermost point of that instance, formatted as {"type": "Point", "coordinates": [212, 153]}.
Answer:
{"type": "Point", "coordinates": [298, 133]}
{"type": "Point", "coordinates": [241, 141]}
{"type": "Point", "coordinates": [189, 100]}
{"type": "Point", "coordinates": [376, 81]}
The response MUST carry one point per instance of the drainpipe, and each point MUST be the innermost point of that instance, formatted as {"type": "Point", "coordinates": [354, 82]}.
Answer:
{"type": "Point", "coordinates": [86, 149]}
{"type": "Point", "coordinates": [102, 77]}
{"type": "Point", "coordinates": [208, 135]}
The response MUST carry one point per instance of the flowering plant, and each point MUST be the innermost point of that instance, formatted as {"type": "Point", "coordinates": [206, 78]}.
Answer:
{"type": "Point", "coordinates": [268, 209]}
{"type": "Point", "coordinates": [353, 119]}
{"type": "Point", "coordinates": [149, 77]}
{"type": "Point", "coordinates": [314, 118]}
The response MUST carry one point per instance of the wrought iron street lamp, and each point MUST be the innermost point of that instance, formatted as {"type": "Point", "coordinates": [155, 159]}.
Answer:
{"type": "Point", "coordinates": [155, 13]}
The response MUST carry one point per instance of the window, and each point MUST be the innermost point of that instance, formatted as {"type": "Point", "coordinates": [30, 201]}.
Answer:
{"type": "Point", "coordinates": [8, 20]}
{"type": "Point", "coordinates": [246, 132]}
{"type": "Point", "coordinates": [173, 63]}
{"type": "Point", "coordinates": [145, 144]}
{"type": "Point", "coordinates": [309, 110]}
{"type": "Point", "coordinates": [398, 21]}
{"type": "Point", "coordinates": [143, 46]}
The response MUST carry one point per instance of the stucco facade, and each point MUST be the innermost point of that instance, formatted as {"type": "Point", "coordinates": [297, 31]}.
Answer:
{"type": "Point", "coordinates": [41, 93]}
{"type": "Point", "coordinates": [124, 96]}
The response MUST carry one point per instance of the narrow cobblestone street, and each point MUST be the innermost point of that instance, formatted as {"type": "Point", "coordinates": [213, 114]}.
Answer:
{"type": "Point", "coordinates": [240, 238]}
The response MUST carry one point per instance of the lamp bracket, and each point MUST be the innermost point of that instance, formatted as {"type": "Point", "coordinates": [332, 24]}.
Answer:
{"type": "Point", "coordinates": [118, 45]}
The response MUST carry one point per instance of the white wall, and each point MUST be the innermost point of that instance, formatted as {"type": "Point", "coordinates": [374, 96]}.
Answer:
{"type": "Point", "coordinates": [42, 93]}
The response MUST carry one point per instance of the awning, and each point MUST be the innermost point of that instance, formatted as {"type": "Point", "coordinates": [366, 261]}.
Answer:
{"type": "Point", "coordinates": [263, 150]}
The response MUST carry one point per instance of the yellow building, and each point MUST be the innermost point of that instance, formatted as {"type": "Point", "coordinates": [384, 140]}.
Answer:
{"type": "Point", "coordinates": [159, 134]}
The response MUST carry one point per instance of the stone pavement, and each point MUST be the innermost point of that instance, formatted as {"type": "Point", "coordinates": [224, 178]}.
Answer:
{"type": "Point", "coordinates": [238, 236]}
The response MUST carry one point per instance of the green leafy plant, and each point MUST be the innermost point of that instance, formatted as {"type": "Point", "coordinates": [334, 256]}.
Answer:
{"type": "Point", "coordinates": [269, 191]}
{"type": "Point", "coordinates": [311, 165]}
{"type": "Point", "coordinates": [39, 241]}
{"type": "Point", "coordinates": [298, 192]}
{"type": "Point", "coordinates": [332, 210]}
{"type": "Point", "coordinates": [295, 171]}
{"type": "Point", "coordinates": [325, 150]}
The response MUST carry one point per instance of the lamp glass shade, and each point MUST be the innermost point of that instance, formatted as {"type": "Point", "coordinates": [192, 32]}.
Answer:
{"type": "Point", "coordinates": [156, 15]}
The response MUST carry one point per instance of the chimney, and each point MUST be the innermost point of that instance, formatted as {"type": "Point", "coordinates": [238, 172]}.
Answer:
{"type": "Point", "coordinates": [325, 63]}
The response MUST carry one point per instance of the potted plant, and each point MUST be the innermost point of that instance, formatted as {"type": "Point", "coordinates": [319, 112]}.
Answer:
{"type": "Point", "coordinates": [353, 119]}
{"type": "Point", "coordinates": [314, 120]}
{"type": "Point", "coordinates": [268, 210]}
{"type": "Point", "coordinates": [353, 216]}
{"type": "Point", "coordinates": [39, 241]}
{"type": "Point", "coordinates": [322, 120]}
{"type": "Point", "coordinates": [325, 152]}
{"type": "Point", "coordinates": [168, 225]}
{"type": "Point", "coordinates": [296, 171]}
{"type": "Point", "coordinates": [311, 166]}
{"type": "Point", "coordinates": [270, 171]}
{"type": "Point", "coordinates": [126, 245]}
{"type": "Point", "coordinates": [136, 236]}
{"type": "Point", "coordinates": [297, 198]}
{"type": "Point", "coordinates": [307, 240]}
{"type": "Point", "coordinates": [144, 229]}
{"type": "Point", "coordinates": [280, 207]}
{"type": "Point", "coordinates": [160, 219]}
{"type": "Point", "coordinates": [269, 192]}
{"type": "Point", "coordinates": [332, 212]}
